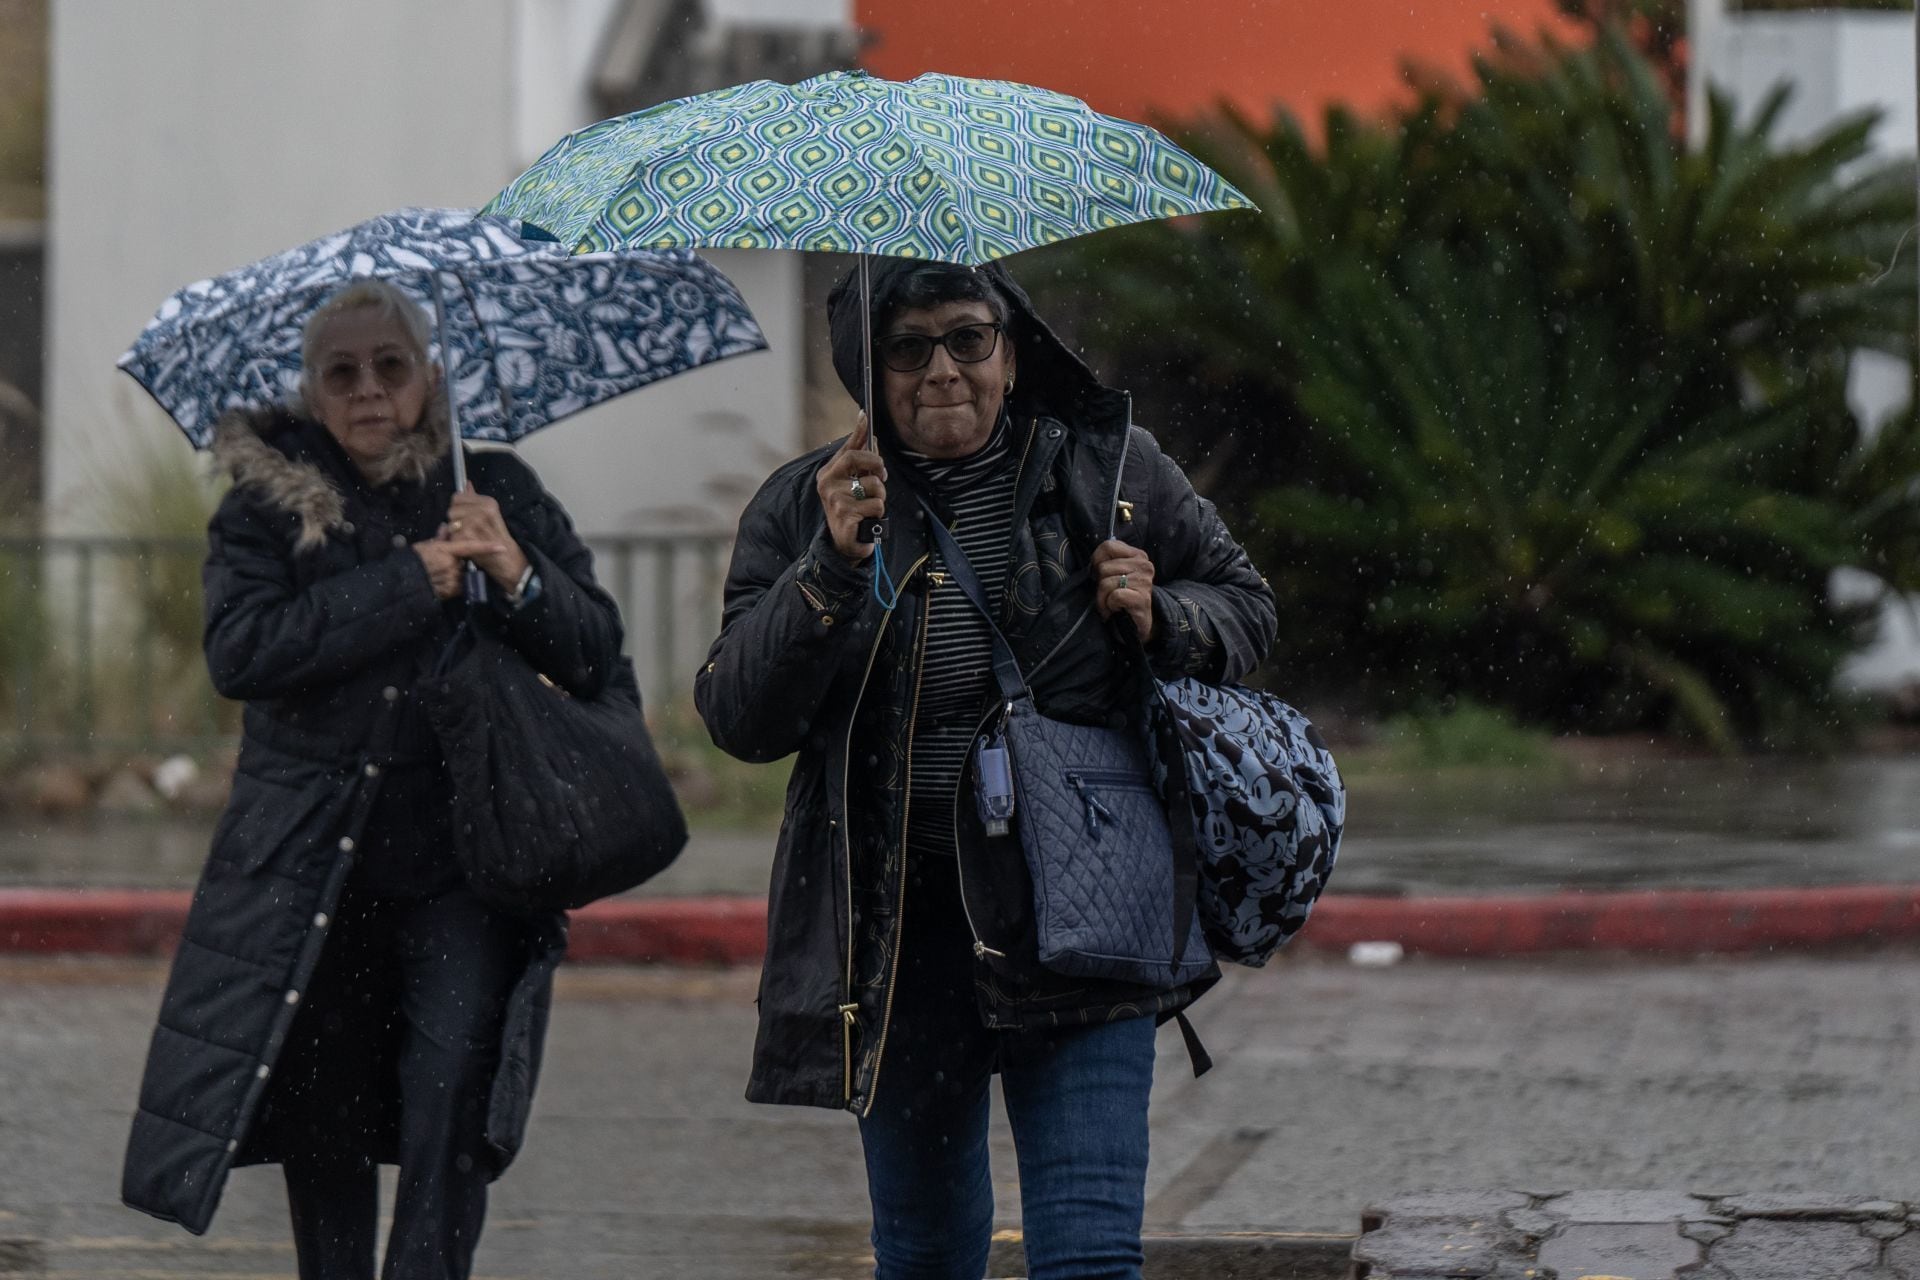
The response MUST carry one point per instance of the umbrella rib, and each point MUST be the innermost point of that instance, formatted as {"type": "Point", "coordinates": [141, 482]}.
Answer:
{"type": "Point", "coordinates": [923, 149]}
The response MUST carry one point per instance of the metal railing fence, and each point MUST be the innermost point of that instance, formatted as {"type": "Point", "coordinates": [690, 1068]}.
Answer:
{"type": "Point", "coordinates": [100, 635]}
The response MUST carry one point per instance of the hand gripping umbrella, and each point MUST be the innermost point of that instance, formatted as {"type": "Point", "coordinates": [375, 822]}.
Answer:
{"type": "Point", "coordinates": [939, 167]}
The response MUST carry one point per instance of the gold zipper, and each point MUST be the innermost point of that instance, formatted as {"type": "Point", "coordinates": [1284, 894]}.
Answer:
{"type": "Point", "coordinates": [906, 811]}
{"type": "Point", "coordinates": [846, 826]}
{"type": "Point", "coordinates": [906, 808]}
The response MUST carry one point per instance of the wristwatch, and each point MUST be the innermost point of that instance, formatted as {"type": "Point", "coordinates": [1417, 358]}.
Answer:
{"type": "Point", "coordinates": [516, 594]}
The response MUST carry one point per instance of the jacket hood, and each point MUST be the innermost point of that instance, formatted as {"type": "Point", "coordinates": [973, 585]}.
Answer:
{"type": "Point", "coordinates": [261, 448]}
{"type": "Point", "coordinates": [1052, 379]}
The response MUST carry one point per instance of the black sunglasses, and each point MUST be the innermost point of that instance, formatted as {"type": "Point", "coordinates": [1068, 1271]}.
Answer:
{"type": "Point", "coordinates": [968, 344]}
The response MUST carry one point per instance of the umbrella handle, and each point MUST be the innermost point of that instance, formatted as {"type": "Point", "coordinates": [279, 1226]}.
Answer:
{"type": "Point", "coordinates": [476, 583]}
{"type": "Point", "coordinates": [874, 531]}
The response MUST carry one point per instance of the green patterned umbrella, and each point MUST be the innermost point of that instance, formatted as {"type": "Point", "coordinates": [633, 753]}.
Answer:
{"type": "Point", "coordinates": [939, 167]}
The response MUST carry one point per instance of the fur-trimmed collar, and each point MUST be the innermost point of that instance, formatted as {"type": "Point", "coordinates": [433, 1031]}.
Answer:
{"type": "Point", "coordinates": [242, 449]}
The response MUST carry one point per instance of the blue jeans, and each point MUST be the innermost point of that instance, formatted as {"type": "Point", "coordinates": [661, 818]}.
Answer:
{"type": "Point", "coordinates": [1076, 1100]}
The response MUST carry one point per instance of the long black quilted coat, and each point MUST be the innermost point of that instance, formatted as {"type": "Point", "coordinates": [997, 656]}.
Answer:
{"type": "Point", "coordinates": [807, 662]}
{"type": "Point", "coordinates": [319, 616]}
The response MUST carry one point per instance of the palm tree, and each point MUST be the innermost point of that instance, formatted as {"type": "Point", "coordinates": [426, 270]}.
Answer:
{"type": "Point", "coordinates": [1519, 399]}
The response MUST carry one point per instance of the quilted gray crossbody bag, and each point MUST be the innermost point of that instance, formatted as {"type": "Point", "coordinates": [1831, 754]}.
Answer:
{"type": "Point", "coordinates": [1114, 884]}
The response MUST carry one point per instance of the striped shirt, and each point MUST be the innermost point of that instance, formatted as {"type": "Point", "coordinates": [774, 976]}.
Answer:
{"type": "Point", "coordinates": [957, 667]}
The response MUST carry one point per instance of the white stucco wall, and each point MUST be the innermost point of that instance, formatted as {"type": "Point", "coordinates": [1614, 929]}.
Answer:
{"type": "Point", "coordinates": [555, 44]}
{"type": "Point", "coordinates": [1837, 62]}
{"type": "Point", "coordinates": [1840, 64]}
{"type": "Point", "coordinates": [196, 135]}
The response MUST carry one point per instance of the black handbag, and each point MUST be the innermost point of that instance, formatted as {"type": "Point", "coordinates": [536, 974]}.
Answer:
{"type": "Point", "coordinates": [1113, 889]}
{"type": "Point", "coordinates": [557, 800]}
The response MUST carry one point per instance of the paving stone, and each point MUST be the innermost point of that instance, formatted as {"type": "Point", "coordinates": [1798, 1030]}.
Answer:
{"type": "Point", "coordinates": [1643, 1251]}
{"type": "Point", "coordinates": [1774, 1250]}
{"type": "Point", "coordinates": [1471, 1205]}
{"type": "Point", "coordinates": [1705, 1232]}
{"type": "Point", "coordinates": [1441, 1248]}
{"type": "Point", "coordinates": [1880, 1229]}
{"type": "Point", "coordinates": [1904, 1253]}
{"type": "Point", "coordinates": [1628, 1206]}
{"type": "Point", "coordinates": [1876, 1273]}
{"type": "Point", "coordinates": [1809, 1205]}
{"type": "Point", "coordinates": [1531, 1223]}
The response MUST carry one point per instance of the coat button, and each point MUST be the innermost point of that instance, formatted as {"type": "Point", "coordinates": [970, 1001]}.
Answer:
{"type": "Point", "coordinates": [372, 770]}
{"type": "Point", "coordinates": [390, 693]}
{"type": "Point", "coordinates": [346, 527]}
{"type": "Point", "coordinates": [233, 1145]}
{"type": "Point", "coordinates": [320, 920]}
{"type": "Point", "coordinates": [264, 1071]}
{"type": "Point", "coordinates": [293, 997]}
{"type": "Point", "coordinates": [399, 540]}
{"type": "Point", "coordinates": [346, 844]}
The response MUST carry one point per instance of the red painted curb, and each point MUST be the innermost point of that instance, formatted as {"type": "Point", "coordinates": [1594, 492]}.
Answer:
{"type": "Point", "coordinates": [732, 931]}
{"type": "Point", "coordinates": [1688, 921]}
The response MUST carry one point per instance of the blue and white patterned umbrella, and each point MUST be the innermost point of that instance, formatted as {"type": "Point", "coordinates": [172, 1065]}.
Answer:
{"type": "Point", "coordinates": [533, 333]}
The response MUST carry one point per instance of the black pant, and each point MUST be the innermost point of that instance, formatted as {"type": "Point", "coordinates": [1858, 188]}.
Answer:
{"type": "Point", "coordinates": [406, 1007]}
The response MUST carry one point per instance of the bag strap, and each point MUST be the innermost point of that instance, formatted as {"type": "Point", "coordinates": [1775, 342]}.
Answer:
{"type": "Point", "coordinates": [1006, 670]}
{"type": "Point", "coordinates": [1172, 753]}
{"type": "Point", "coordinates": [1186, 845]}
{"type": "Point", "coordinates": [1196, 1052]}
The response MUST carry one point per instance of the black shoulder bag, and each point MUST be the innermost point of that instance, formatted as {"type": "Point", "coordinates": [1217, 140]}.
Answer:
{"type": "Point", "coordinates": [557, 800]}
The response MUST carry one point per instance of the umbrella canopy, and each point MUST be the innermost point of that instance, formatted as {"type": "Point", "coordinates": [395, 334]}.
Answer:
{"type": "Point", "coordinates": [941, 167]}
{"type": "Point", "coordinates": [530, 332]}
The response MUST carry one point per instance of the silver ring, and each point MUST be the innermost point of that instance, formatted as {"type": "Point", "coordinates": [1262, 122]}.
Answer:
{"type": "Point", "coordinates": [858, 490]}
{"type": "Point", "coordinates": [1120, 583]}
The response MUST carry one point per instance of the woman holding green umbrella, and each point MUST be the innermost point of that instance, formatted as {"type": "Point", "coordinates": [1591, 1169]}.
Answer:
{"type": "Point", "coordinates": [901, 968]}
{"type": "Point", "coordinates": [900, 972]}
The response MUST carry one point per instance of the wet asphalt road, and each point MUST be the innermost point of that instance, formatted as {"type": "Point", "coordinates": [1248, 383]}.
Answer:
{"type": "Point", "coordinates": [1335, 1086]}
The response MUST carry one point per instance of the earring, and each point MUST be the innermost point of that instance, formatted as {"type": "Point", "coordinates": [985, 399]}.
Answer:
{"type": "Point", "coordinates": [1009, 386]}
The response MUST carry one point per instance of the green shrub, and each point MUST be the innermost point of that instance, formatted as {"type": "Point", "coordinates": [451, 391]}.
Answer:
{"type": "Point", "coordinates": [1466, 735]}
{"type": "Point", "coordinates": [718, 791]}
{"type": "Point", "coordinates": [167, 495]}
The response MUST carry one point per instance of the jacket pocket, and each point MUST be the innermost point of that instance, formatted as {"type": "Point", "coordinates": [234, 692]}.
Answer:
{"type": "Point", "coordinates": [271, 821]}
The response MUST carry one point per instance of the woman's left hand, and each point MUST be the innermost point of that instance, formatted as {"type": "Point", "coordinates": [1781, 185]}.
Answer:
{"type": "Point", "coordinates": [1123, 583]}
{"type": "Point", "coordinates": [476, 517]}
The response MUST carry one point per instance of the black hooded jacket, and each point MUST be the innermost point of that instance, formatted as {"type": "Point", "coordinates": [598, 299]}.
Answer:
{"type": "Point", "coordinates": [321, 619]}
{"type": "Point", "coordinates": [808, 662]}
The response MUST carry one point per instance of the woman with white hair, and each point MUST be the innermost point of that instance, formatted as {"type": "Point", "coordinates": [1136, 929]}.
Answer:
{"type": "Point", "coordinates": [340, 997]}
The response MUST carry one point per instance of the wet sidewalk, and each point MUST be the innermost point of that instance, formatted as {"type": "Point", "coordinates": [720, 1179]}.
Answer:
{"type": "Point", "coordinates": [1619, 826]}
{"type": "Point", "coordinates": [1337, 1087]}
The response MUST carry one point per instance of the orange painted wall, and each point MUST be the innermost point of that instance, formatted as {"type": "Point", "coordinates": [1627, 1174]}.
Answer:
{"type": "Point", "coordinates": [1135, 57]}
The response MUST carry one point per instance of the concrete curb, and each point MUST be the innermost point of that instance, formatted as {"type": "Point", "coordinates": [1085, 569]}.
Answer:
{"type": "Point", "coordinates": [732, 930]}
